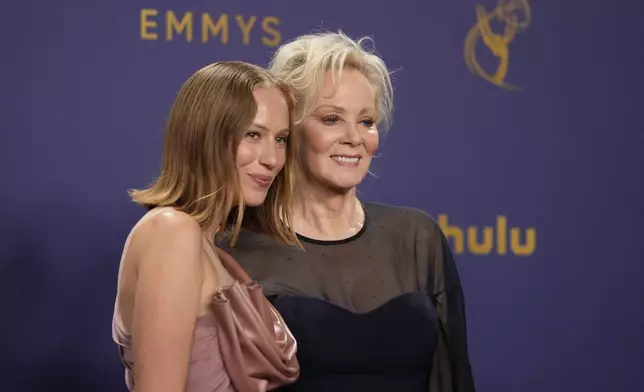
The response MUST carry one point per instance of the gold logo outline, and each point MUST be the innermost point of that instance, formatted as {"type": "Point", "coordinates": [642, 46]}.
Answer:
{"type": "Point", "coordinates": [505, 12]}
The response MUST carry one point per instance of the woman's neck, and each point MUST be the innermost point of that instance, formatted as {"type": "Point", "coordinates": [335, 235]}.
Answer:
{"type": "Point", "coordinates": [323, 214]}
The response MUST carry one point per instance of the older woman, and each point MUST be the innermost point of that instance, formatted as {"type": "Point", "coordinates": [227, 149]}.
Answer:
{"type": "Point", "coordinates": [374, 298]}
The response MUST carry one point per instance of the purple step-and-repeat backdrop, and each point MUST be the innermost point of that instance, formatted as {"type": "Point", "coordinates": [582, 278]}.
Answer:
{"type": "Point", "coordinates": [518, 126]}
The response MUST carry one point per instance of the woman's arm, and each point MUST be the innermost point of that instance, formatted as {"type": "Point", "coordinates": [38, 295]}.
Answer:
{"type": "Point", "coordinates": [166, 301]}
{"type": "Point", "coordinates": [451, 370]}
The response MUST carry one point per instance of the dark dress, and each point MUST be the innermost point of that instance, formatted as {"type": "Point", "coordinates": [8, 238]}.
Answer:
{"type": "Point", "coordinates": [380, 311]}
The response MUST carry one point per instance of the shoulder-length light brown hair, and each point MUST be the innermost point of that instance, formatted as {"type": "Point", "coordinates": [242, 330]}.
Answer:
{"type": "Point", "coordinates": [211, 113]}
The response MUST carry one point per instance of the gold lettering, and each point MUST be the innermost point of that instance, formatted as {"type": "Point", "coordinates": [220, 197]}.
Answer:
{"type": "Point", "coordinates": [245, 27]}
{"type": "Point", "coordinates": [480, 248]}
{"type": "Point", "coordinates": [267, 25]}
{"type": "Point", "coordinates": [145, 24]}
{"type": "Point", "coordinates": [185, 24]}
{"type": "Point", "coordinates": [451, 231]}
{"type": "Point", "coordinates": [530, 244]}
{"type": "Point", "coordinates": [484, 244]}
{"type": "Point", "coordinates": [501, 235]}
{"type": "Point", "coordinates": [208, 27]}
{"type": "Point", "coordinates": [172, 25]}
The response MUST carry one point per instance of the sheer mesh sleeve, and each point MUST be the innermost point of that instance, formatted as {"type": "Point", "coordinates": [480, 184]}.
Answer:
{"type": "Point", "coordinates": [451, 371]}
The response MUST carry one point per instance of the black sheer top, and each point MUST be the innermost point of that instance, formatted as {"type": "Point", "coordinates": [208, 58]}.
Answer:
{"type": "Point", "coordinates": [380, 311]}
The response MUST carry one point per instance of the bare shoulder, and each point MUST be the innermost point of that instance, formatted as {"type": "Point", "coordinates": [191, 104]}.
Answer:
{"type": "Point", "coordinates": [166, 234]}
{"type": "Point", "coordinates": [171, 222]}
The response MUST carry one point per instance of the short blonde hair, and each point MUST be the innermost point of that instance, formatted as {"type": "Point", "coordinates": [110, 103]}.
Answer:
{"type": "Point", "coordinates": [211, 114]}
{"type": "Point", "coordinates": [303, 62]}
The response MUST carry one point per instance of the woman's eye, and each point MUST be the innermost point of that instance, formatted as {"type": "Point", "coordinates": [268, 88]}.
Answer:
{"type": "Point", "coordinates": [253, 135]}
{"type": "Point", "coordinates": [330, 120]}
{"type": "Point", "coordinates": [368, 123]}
{"type": "Point", "coordinates": [282, 139]}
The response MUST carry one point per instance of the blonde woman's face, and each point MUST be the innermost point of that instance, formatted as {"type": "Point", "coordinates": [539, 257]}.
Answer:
{"type": "Point", "coordinates": [262, 152]}
{"type": "Point", "coordinates": [340, 137]}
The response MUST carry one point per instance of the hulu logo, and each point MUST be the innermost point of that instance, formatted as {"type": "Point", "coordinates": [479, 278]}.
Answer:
{"type": "Point", "coordinates": [489, 239]}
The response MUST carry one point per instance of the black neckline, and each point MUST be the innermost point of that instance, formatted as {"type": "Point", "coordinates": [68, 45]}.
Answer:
{"type": "Point", "coordinates": [344, 240]}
